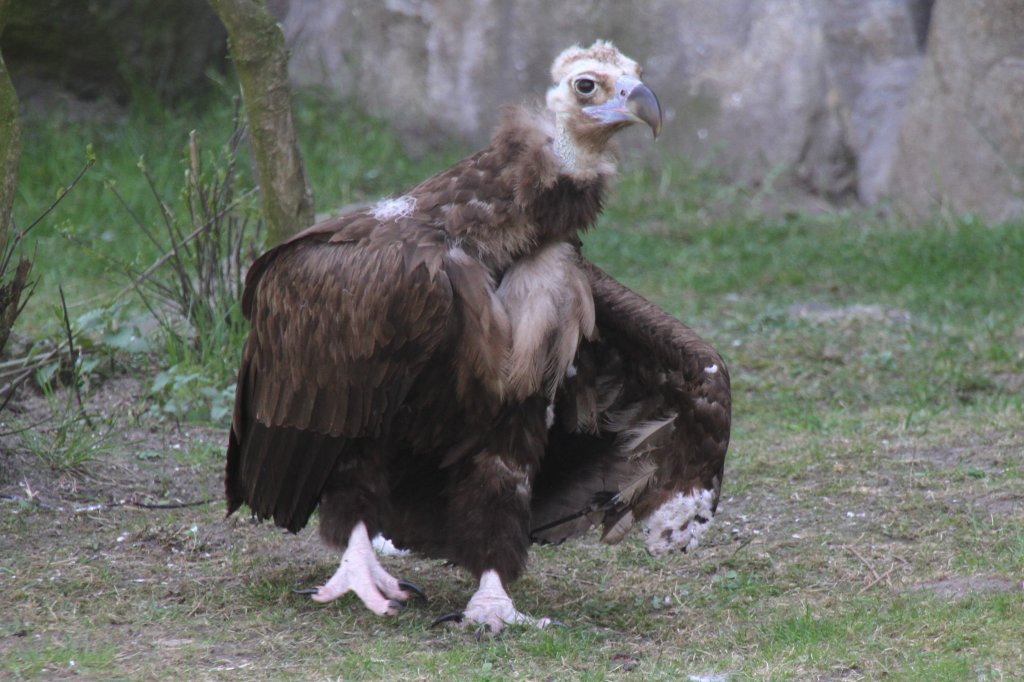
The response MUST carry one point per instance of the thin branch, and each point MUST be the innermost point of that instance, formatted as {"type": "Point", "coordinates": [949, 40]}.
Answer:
{"type": "Point", "coordinates": [173, 233]}
{"type": "Point", "coordinates": [135, 502]}
{"type": "Point", "coordinates": [60, 197]}
{"type": "Point", "coordinates": [27, 427]}
{"type": "Point", "coordinates": [8, 390]}
{"type": "Point", "coordinates": [34, 499]}
{"type": "Point", "coordinates": [145, 274]}
{"type": "Point", "coordinates": [75, 383]}
{"type": "Point", "coordinates": [164, 210]}
{"type": "Point", "coordinates": [9, 248]}
{"type": "Point", "coordinates": [30, 361]}
{"type": "Point", "coordinates": [864, 561]}
{"type": "Point", "coordinates": [127, 502]}
{"type": "Point", "coordinates": [135, 218]}
{"type": "Point", "coordinates": [742, 545]}
{"type": "Point", "coordinates": [878, 579]}
{"type": "Point", "coordinates": [130, 273]}
{"type": "Point", "coordinates": [172, 505]}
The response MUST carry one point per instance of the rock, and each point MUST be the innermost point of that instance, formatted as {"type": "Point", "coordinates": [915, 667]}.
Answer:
{"type": "Point", "coordinates": [875, 121]}
{"type": "Point", "coordinates": [873, 60]}
{"type": "Point", "coordinates": [921, 15]}
{"type": "Point", "coordinates": [961, 147]}
{"type": "Point", "coordinates": [833, 98]}
{"type": "Point", "coordinates": [807, 90]}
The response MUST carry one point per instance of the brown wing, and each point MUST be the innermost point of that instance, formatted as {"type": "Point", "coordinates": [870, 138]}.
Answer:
{"type": "Point", "coordinates": [646, 415]}
{"type": "Point", "coordinates": [344, 318]}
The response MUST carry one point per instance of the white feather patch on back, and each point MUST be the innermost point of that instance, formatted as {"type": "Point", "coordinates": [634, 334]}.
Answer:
{"type": "Point", "coordinates": [393, 208]}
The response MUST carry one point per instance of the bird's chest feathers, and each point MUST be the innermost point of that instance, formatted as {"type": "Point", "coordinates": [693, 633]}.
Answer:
{"type": "Point", "coordinates": [550, 307]}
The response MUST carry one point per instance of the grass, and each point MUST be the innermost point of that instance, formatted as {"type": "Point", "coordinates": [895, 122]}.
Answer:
{"type": "Point", "coordinates": [97, 237]}
{"type": "Point", "coordinates": [874, 493]}
{"type": "Point", "coordinates": [350, 157]}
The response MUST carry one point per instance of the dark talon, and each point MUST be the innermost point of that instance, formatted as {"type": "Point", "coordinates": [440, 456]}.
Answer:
{"type": "Point", "coordinates": [396, 605]}
{"type": "Point", "coordinates": [453, 617]}
{"type": "Point", "coordinates": [410, 586]}
{"type": "Point", "coordinates": [306, 590]}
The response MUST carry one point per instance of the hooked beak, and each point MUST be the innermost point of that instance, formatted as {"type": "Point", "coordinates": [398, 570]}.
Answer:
{"type": "Point", "coordinates": [633, 103]}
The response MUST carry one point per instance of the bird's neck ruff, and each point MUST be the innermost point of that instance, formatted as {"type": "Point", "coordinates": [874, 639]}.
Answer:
{"type": "Point", "coordinates": [580, 161]}
{"type": "Point", "coordinates": [539, 132]}
{"type": "Point", "coordinates": [533, 193]}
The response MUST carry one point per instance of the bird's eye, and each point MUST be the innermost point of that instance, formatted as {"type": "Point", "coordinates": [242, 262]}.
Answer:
{"type": "Point", "coordinates": [584, 86]}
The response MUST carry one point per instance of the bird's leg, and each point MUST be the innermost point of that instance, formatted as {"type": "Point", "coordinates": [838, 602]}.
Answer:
{"type": "Point", "coordinates": [491, 608]}
{"type": "Point", "coordinates": [489, 513]}
{"type": "Point", "coordinates": [361, 572]}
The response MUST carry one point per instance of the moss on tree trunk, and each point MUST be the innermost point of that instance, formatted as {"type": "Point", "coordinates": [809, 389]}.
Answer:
{"type": "Point", "coordinates": [10, 137]}
{"type": "Point", "coordinates": [12, 285]}
{"type": "Point", "coordinates": [257, 49]}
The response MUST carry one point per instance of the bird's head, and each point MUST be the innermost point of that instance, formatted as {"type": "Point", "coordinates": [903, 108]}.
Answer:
{"type": "Point", "coordinates": [597, 92]}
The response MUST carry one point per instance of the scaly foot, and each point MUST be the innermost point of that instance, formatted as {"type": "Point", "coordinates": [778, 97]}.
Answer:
{"type": "Point", "coordinates": [361, 572]}
{"type": "Point", "coordinates": [491, 609]}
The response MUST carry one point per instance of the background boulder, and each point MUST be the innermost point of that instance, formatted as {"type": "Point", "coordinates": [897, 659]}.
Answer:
{"type": "Point", "coordinates": [810, 89]}
{"type": "Point", "coordinates": [917, 101]}
{"type": "Point", "coordinates": [961, 146]}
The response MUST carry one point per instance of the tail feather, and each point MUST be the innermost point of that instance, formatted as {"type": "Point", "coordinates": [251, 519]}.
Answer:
{"type": "Point", "coordinates": [285, 488]}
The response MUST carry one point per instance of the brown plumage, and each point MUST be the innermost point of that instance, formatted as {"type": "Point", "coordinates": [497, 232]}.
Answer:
{"type": "Point", "coordinates": [446, 369]}
{"type": "Point", "coordinates": [645, 417]}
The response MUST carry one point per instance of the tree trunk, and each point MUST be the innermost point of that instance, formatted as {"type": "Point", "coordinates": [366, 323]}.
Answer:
{"type": "Point", "coordinates": [258, 52]}
{"type": "Point", "coordinates": [10, 137]}
{"type": "Point", "coordinates": [11, 284]}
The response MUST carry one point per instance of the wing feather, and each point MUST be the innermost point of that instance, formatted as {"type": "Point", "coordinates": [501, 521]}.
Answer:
{"type": "Point", "coordinates": [647, 414]}
{"type": "Point", "coordinates": [344, 319]}
{"type": "Point", "coordinates": [326, 326]}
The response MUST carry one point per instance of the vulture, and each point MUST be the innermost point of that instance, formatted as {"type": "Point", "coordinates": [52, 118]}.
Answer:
{"type": "Point", "coordinates": [445, 368]}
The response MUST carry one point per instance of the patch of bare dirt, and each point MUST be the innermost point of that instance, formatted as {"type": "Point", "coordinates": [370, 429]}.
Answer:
{"type": "Point", "coordinates": [134, 497]}
{"type": "Point", "coordinates": [982, 453]}
{"type": "Point", "coordinates": [139, 457]}
{"type": "Point", "coordinates": [817, 312]}
{"type": "Point", "coordinates": [962, 587]}
{"type": "Point", "coordinates": [1001, 503]}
